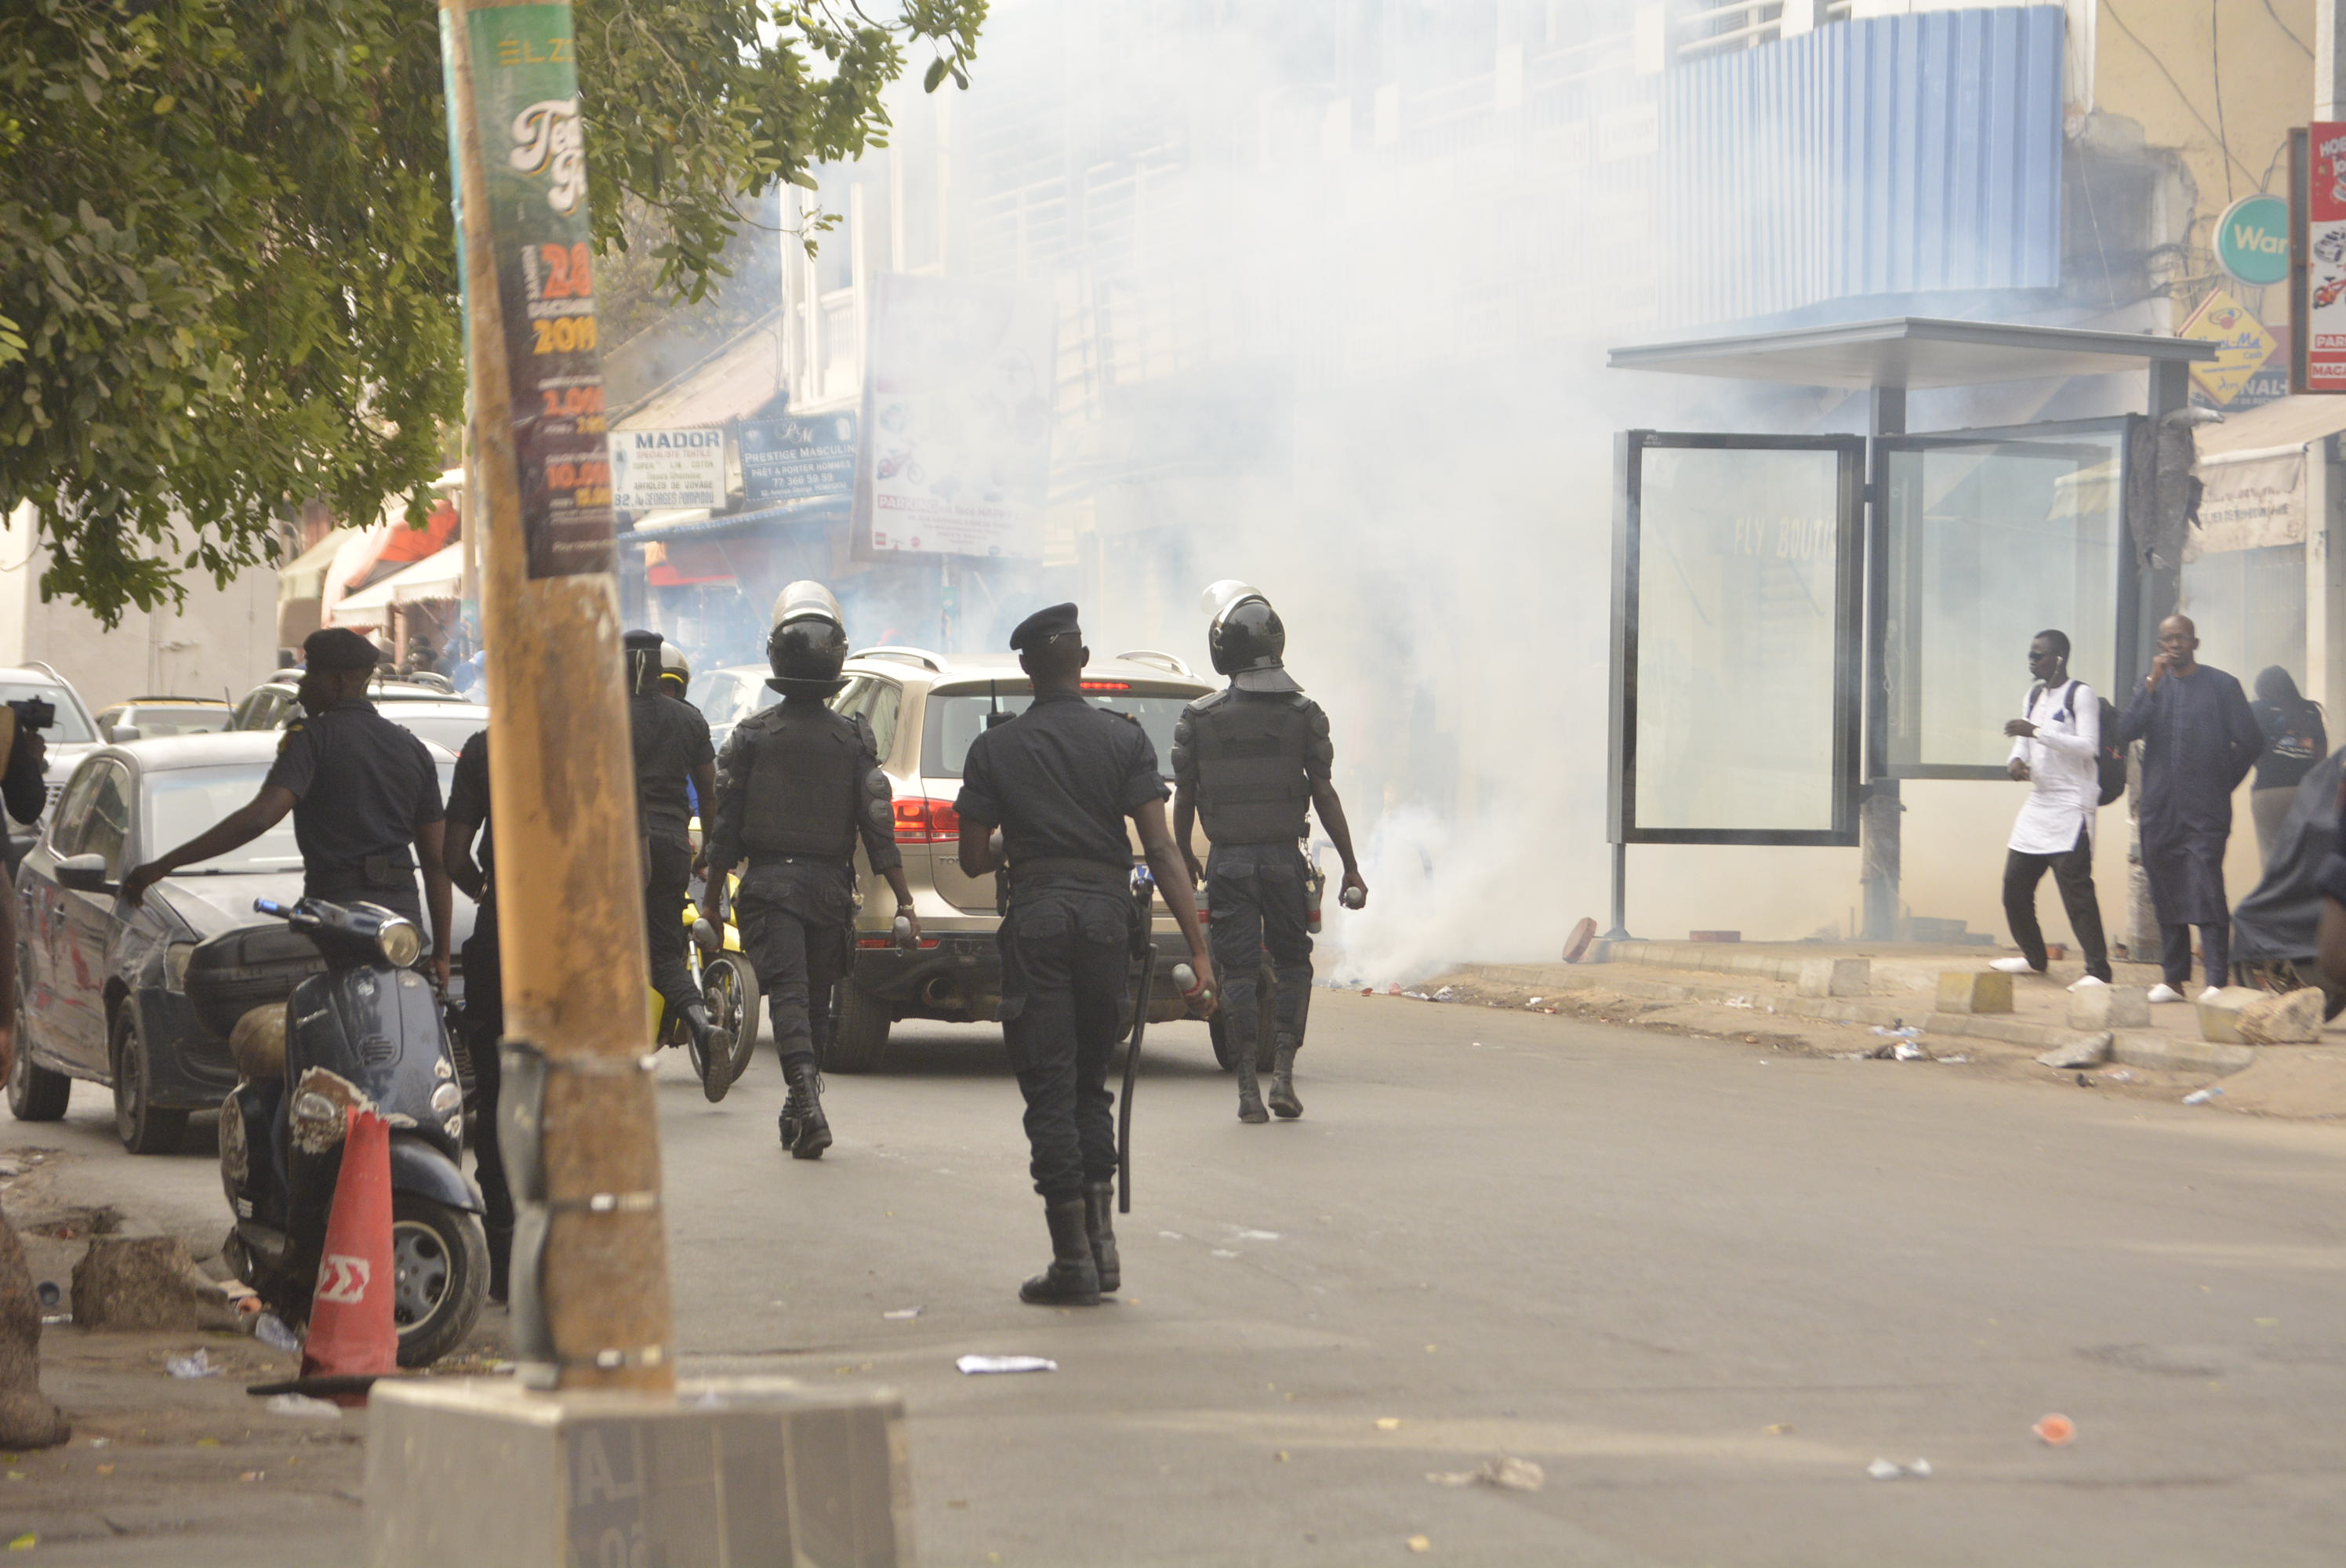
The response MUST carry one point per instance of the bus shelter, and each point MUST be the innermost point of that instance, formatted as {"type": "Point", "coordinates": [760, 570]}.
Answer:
{"type": "Point", "coordinates": [1801, 622]}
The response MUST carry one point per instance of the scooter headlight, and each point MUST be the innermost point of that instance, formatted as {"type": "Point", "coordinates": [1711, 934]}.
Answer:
{"type": "Point", "coordinates": [445, 1099]}
{"type": "Point", "coordinates": [400, 942]}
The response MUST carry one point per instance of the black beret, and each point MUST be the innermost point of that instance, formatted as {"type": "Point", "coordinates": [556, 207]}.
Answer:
{"type": "Point", "coordinates": [1036, 629]}
{"type": "Point", "coordinates": [339, 647]}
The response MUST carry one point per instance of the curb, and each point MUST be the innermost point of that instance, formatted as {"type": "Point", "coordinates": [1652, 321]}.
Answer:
{"type": "Point", "coordinates": [1829, 1009]}
{"type": "Point", "coordinates": [2148, 1048]}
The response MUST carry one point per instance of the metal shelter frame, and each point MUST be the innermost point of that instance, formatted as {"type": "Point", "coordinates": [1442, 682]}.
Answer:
{"type": "Point", "coordinates": [1886, 360]}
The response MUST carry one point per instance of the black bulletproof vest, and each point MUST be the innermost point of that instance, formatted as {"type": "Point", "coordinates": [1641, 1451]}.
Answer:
{"type": "Point", "coordinates": [802, 785]}
{"type": "Point", "coordinates": [1251, 751]}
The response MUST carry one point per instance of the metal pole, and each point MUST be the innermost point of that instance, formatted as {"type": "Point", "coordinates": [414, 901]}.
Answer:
{"type": "Point", "coordinates": [570, 896]}
{"type": "Point", "coordinates": [1880, 826]}
{"type": "Point", "coordinates": [2329, 62]}
{"type": "Point", "coordinates": [1620, 932]}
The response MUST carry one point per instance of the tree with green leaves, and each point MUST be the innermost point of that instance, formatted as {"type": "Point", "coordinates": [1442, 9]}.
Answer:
{"type": "Point", "coordinates": [227, 268]}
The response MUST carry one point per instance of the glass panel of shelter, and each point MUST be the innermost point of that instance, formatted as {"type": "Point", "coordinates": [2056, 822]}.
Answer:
{"type": "Point", "coordinates": [1987, 538]}
{"type": "Point", "coordinates": [1740, 609]}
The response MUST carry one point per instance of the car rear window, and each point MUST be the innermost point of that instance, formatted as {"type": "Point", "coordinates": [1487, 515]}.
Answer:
{"type": "Point", "coordinates": [956, 719]}
{"type": "Point", "coordinates": [68, 730]}
{"type": "Point", "coordinates": [181, 802]}
{"type": "Point", "coordinates": [152, 722]}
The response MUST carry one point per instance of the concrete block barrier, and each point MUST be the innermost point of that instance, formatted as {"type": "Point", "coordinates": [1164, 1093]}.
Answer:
{"type": "Point", "coordinates": [1965, 991]}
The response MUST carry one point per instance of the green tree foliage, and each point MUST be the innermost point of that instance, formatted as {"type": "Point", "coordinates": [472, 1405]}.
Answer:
{"type": "Point", "coordinates": [227, 274]}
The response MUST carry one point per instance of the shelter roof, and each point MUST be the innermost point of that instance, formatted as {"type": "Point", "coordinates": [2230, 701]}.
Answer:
{"type": "Point", "coordinates": [1911, 351]}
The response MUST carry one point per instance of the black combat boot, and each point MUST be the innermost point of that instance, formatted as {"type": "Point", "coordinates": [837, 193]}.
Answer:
{"type": "Point", "coordinates": [716, 1052]}
{"type": "Point", "coordinates": [1282, 1079]}
{"type": "Point", "coordinates": [1099, 1220]}
{"type": "Point", "coordinates": [1250, 1086]}
{"type": "Point", "coordinates": [1073, 1279]}
{"type": "Point", "coordinates": [805, 1129]}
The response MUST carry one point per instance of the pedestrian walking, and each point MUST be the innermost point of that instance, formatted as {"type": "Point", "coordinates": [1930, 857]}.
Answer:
{"type": "Point", "coordinates": [365, 794]}
{"type": "Point", "coordinates": [796, 786]}
{"type": "Point", "coordinates": [484, 995]}
{"type": "Point", "coordinates": [2295, 741]}
{"type": "Point", "coordinates": [2199, 742]}
{"type": "Point", "coordinates": [1059, 780]}
{"type": "Point", "coordinates": [672, 750]}
{"type": "Point", "coordinates": [1249, 759]}
{"type": "Point", "coordinates": [2056, 746]}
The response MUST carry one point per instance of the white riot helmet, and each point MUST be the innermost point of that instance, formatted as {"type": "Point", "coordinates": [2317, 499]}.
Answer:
{"type": "Point", "coordinates": [809, 642]}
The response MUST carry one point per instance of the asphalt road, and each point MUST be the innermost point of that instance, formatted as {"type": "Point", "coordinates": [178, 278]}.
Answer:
{"type": "Point", "coordinates": [1701, 1287]}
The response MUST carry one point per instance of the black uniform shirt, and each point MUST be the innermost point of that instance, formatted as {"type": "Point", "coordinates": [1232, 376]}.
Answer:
{"type": "Point", "coordinates": [468, 799]}
{"type": "Point", "coordinates": [362, 786]}
{"type": "Point", "coordinates": [1060, 778]}
{"type": "Point", "coordinates": [671, 739]}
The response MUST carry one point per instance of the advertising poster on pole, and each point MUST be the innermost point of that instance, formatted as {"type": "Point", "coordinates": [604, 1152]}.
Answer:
{"type": "Point", "coordinates": [526, 88]}
{"type": "Point", "coordinates": [2325, 259]}
{"type": "Point", "coordinates": [656, 468]}
{"type": "Point", "coordinates": [797, 459]}
{"type": "Point", "coordinates": [955, 457]}
{"type": "Point", "coordinates": [2243, 346]}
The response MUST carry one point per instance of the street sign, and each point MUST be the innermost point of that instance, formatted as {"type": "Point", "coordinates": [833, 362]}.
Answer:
{"type": "Point", "coordinates": [798, 458]}
{"type": "Point", "coordinates": [2252, 239]}
{"type": "Point", "coordinates": [2243, 346]}
{"type": "Point", "coordinates": [656, 468]}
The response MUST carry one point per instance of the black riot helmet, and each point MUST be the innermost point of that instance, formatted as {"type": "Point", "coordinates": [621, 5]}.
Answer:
{"type": "Point", "coordinates": [643, 649]}
{"type": "Point", "coordinates": [1247, 637]}
{"type": "Point", "coordinates": [809, 642]}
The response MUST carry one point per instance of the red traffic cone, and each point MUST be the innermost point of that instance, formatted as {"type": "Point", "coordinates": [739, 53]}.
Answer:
{"type": "Point", "coordinates": [352, 1333]}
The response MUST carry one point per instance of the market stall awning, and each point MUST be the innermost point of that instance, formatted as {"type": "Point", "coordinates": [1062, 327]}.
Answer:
{"type": "Point", "coordinates": [2251, 471]}
{"type": "Point", "coordinates": [304, 576]}
{"type": "Point", "coordinates": [438, 576]}
{"type": "Point", "coordinates": [1911, 351]}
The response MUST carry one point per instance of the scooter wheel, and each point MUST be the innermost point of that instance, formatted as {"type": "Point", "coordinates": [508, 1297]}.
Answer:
{"type": "Point", "coordinates": [440, 1266]}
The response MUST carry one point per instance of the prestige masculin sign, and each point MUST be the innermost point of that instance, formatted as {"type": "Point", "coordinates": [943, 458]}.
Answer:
{"type": "Point", "coordinates": [526, 92]}
{"type": "Point", "coordinates": [656, 468]}
{"type": "Point", "coordinates": [797, 459]}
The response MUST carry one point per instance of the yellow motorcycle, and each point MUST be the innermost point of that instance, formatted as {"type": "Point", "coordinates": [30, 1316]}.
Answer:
{"type": "Point", "coordinates": [730, 987]}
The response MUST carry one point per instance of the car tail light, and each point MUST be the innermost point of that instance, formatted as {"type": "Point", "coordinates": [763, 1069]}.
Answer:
{"type": "Point", "coordinates": [923, 821]}
{"type": "Point", "coordinates": [1107, 685]}
{"type": "Point", "coordinates": [890, 941]}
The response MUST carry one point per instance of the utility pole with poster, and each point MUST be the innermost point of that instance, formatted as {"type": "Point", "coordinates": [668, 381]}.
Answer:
{"type": "Point", "coordinates": [590, 1454]}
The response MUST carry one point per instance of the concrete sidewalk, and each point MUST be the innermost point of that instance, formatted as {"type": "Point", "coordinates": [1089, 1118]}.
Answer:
{"type": "Point", "coordinates": [1890, 984]}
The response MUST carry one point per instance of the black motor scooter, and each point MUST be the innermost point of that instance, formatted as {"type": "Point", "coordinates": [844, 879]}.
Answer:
{"type": "Point", "coordinates": [367, 1032]}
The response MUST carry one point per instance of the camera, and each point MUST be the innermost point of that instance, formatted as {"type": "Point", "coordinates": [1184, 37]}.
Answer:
{"type": "Point", "coordinates": [34, 712]}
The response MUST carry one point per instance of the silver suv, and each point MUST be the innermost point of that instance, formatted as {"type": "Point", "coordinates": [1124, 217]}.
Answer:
{"type": "Point", "coordinates": [924, 709]}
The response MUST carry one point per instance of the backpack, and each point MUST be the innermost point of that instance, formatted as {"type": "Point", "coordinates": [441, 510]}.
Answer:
{"type": "Point", "coordinates": [2111, 758]}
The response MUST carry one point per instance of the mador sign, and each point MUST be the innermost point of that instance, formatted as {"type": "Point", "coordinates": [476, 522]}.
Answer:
{"type": "Point", "coordinates": [956, 449]}
{"type": "Point", "coordinates": [656, 468]}
{"type": "Point", "coordinates": [2252, 239]}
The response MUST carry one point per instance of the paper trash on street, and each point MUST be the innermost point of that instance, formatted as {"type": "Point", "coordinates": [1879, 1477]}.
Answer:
{"type": "Point", "coordinates": [973, 1365]}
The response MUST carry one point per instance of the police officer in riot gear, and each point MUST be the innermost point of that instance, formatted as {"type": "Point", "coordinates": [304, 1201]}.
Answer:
{"type": "Point", "coordinates": [1059, 779]}
{"type": "Point", "coordinates": [1248, 760]}
{"type": "Point", "coordinates": [796, 786]}
{"type": "Point", "coordinates": [671, 746]}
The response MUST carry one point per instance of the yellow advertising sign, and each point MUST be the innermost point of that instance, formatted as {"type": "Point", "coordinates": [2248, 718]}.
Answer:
{"type": "Point", "coordinates": [2242, 345]}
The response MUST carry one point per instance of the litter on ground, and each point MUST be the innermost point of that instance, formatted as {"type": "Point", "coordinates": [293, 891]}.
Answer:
{"type": "Point", "coordinates": [971, 1366]}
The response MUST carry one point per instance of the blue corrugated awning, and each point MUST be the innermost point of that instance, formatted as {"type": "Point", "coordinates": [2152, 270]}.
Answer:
{"type": "Point", "coordinates": [817, 509]}
{"type": "Point", "coordinates": [1915, 155]}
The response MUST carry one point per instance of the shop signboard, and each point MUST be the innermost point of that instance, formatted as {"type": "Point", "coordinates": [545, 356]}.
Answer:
{"type": "Point", "coordinates": [659, 468]}
{"type": "Point", "coordinates": [797, 459]}
{"type": "Point", "coordinates": [955, 452]}
{"type": "Point", "coordinates": [2252, 239]}
{"type": "Point", "coordinates": [2319, 288]}
{"type": "Point", "coordinates": [2243, 346]}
